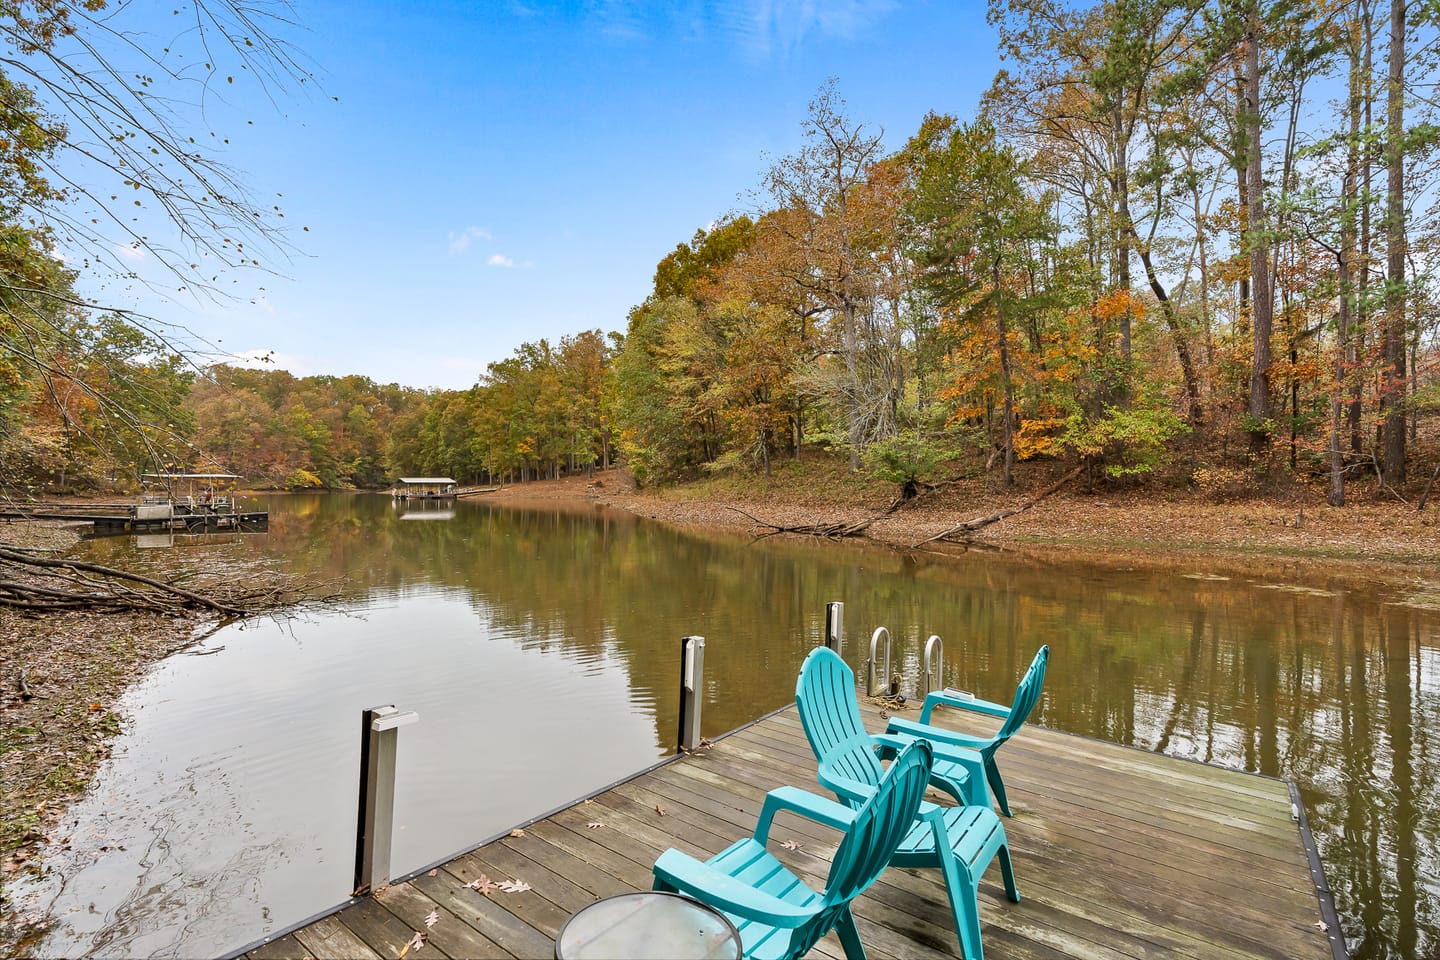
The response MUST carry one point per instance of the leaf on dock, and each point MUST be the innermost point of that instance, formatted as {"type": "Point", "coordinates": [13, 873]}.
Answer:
{"type": "Point", "coordinates": [483, 885]}
{"type": "Point", "coordinates": [513, 886]}
{"type": "Point", "coordinates": [416, 942]}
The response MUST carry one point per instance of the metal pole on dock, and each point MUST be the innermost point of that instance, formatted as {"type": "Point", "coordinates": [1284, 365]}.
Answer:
{"type": "Point", "coordinates": [692, 690]}
{"type": "Point", "coordinates": [834, 625]}
{"type": "Point", "coordinates": [379, 732]}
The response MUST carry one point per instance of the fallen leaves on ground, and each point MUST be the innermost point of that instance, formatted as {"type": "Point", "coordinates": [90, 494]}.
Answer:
{"type": "Point", "coordinates": [432, 918]}
{"type": "Point", "coordinates": [483, 884]}
{"type": "Point", "coordinates": [416, 942]}
{"type": "Point", "coordinates": [790, 844]}
{"type": "Point", "coordinates": [594, 824]}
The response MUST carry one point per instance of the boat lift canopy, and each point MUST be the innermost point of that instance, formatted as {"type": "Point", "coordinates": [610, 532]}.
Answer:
{"type": "Point", "coordinates": [190, 476]}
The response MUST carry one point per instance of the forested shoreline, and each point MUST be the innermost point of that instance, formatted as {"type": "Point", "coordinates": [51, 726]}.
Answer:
{"type": "Point", "coordinates": [1170, 225]}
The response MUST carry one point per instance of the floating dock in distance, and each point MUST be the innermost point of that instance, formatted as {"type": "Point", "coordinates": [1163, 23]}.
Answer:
{"type": "Point", "coordinates": [203, 508]}
{"type": "Point", "coordinates": [1119, 852]}
{"type": "Point", "coordinates": [425, 488]}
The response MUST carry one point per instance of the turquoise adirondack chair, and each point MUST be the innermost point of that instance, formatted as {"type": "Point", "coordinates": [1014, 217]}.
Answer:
{"type": "Point", "coordinates": [961, 841]}
{"type": "Point", "coordinates": [1027, 694]}
{"type": "Point", "coordinates": [778, 914]}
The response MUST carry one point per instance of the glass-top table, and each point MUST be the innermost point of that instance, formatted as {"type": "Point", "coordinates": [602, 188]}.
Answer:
{"type": "Point", "coordinates": [648, 925]}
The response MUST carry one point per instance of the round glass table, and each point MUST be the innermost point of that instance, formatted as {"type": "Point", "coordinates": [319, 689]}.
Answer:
{"type": "Point", "coordinates": [648, 925]}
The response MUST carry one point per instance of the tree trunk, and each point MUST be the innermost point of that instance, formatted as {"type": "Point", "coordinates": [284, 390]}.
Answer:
{"type": "Point", "coordinates": [1120, 182]}
{"type": "Point", "coordinates": [1345, 355]}
{"type": "Point", "coordinates": [1009, 404]}
{"type": "Point", "coordinates": [1261, 303]}
{"type": "Point", "coordinates": [854, 428]}
{"type": "Point", "coordinates": [1242, 189]}
{"type": "Point", "coordinates": [1392, 348]}
{"type": "Point", "coordinates": [1177, 333]}
{"type": "Point", "coordinates": [1355, 414]}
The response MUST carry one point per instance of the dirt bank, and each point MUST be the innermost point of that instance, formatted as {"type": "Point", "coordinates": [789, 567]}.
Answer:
{"type": "Point", "coordinates": [1381, 536]}
{"type": "Point", "coordinates": [60, 675]}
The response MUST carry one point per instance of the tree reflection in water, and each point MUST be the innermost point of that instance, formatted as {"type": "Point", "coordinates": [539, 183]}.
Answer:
{"type": "Point", "coordinates": [1256, 667]}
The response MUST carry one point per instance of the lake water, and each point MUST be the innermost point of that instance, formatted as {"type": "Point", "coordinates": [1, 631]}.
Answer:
{"type": "Point", "coordinates": [541, 651]}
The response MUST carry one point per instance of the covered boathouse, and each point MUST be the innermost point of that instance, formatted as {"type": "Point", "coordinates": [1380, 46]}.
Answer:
{"type": "Point", "coordinates": [424, 488]}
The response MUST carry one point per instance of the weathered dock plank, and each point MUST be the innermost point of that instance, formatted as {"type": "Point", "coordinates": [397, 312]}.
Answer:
{"type": "Point", "coordinates": [1119, 854]}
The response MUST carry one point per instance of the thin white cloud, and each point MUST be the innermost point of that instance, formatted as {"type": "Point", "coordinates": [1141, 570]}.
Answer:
{"type": "Point", "coordinates": [460, 241]}
{"type": "Point", "coordinates": [500, 260]}
{"type": "Point", "coordinates": [130, 251]}
{"type": "Point", "coordinates": [620, 19]}
{"type": "Point", "coordinates": [764, 27]}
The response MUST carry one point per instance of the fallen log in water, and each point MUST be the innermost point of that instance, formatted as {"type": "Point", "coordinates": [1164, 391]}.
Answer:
{"type": "Point", "coordinates": [968, 527]}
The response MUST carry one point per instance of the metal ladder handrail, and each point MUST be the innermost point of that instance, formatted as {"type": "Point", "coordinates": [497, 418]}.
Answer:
{"type": "Point", "coordinates": [930, 680]}
{"type": "Point", "coordinates": [870, 671]}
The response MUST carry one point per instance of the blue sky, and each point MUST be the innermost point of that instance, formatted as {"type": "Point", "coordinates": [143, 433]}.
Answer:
{"type": "Point", "coordinates": [497, 172]}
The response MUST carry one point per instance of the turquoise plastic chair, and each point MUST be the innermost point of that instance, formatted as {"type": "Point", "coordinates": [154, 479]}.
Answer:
{"type": "Point", "coordinates": [961, 841]}
{"type": "Point", "coordinates": [830, 714]}
{"type": "Point", "coordinates": [778, 914]}
{"type": "Point", "coordinates": [1027, 694]}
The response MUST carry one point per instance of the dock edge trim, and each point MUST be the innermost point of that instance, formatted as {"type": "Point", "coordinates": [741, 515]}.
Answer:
{"type": "Point", "coordinates": [1333, 932]}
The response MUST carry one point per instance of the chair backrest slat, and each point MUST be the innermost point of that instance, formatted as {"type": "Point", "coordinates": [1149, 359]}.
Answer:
{"type": "Point", "coordinates": [880, 824]}
{"type": "Point", "coordinates": [1027, 694]}
{"type": "Point", "coordinates": [826, 690]}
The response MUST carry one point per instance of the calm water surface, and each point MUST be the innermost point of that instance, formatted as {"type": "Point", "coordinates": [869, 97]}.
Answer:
{"type": "Point", "coordinates": [540, 648]}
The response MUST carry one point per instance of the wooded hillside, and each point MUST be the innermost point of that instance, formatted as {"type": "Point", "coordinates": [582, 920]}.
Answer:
{"type": "Point", "coordinates": [1169, 224]}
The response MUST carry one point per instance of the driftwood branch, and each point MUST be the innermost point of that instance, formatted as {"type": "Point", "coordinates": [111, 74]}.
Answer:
{"type": "Point", "coordinates": [970, 526]}
{"type": "Point", "coordinates": [834, 530]}
{"type": "Point", "coordinates": [121, 592]}
{"type": "Point", "coordinates": [38, 584]}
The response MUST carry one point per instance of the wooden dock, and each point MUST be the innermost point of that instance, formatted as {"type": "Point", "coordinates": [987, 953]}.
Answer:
{"type": "Point", "coordinates": [123, 518]}
{"type": "Point", "coordinates": [1119, 853]}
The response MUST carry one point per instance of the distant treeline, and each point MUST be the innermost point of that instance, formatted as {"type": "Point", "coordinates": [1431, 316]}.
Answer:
{"type": "Point", "coordinates": [1170, 223]}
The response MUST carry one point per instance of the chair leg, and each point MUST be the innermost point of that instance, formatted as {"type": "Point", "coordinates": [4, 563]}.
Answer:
{"type": "Point", "coordinates": [970, 932]}
{"type": "Point", "coordinates": [964, 906]}
{"type": "Point", "coordinates": [997, 786]}
{"type": "Point", "coordinates": [849, 935]}
{"type": "Point", "coordinates": [1007, 870]}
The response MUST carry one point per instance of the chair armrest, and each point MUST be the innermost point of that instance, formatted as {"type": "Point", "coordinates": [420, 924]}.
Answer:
{"type": "Point", "coordinates": [937, 736]}
{"type": "Point", "coordinates": [970, 788]}
{"type": "Point", "coordinates": [817, 808]}
{"type": "Point", "coordinates": [960, 700]}
{"type": "Point", "coordinates": [722, 891]}
{"type": "Point", "coordinates": [852, 793]}
{"type": "Point", "coordinates": [889, 745]}
{"type": "Point", "coordinates": [973, 789]}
